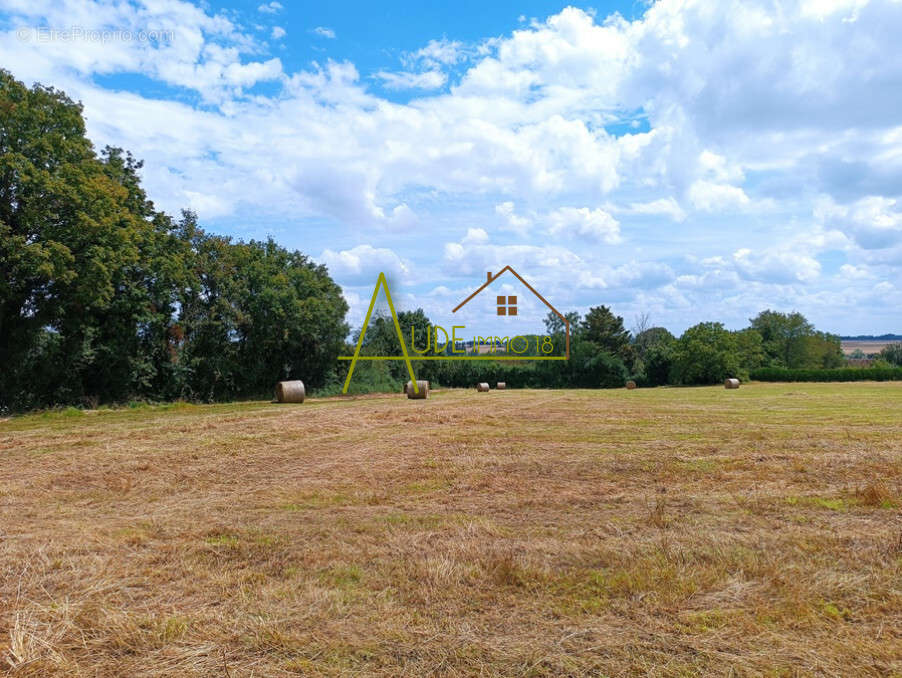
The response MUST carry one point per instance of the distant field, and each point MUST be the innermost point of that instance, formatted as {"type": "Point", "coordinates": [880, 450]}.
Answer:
{"type": "Point", "coordinates": [867, 347]}
{"type": "Point", "coordinates": [666, 532]}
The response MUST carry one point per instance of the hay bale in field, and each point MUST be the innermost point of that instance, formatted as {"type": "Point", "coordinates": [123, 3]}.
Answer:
{"type": "Point", "coordinates": [482, 387]}
{"type": "Point", "coordinates": [422, 391]}
{"type": "Point", "coordinates": [731, 383]}
{"type": "Point", "coordinates": [501, 385]}
{"type": "Point", "coordinates": [631, 384]}
{"type": "Point", "coordinates": [290, 391]}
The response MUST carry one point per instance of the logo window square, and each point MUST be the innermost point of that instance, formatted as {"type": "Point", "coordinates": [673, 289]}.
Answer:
{"type": "Point", "coordinates": [507, 305]}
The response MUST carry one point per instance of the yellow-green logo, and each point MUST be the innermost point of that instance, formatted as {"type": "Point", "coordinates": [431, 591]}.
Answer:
{"type": "Point", "coordinates": [506, 306]}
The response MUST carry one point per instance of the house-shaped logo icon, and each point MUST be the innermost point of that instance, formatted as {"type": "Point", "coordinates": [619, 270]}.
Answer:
{"type": "Point", "coordinates": [507, 304]}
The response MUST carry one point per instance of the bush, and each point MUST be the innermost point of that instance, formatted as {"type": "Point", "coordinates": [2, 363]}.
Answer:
{"type": "Point", "coordinates": [892, 354]}
{"type": "Point", "coordinates": [705, 354]}
{"type": "Point", "coordinates": [837, 374]}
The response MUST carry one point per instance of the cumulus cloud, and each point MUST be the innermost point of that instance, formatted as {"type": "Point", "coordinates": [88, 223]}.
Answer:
{"type": "Point", "coordinates": [741, 104]}
{"type": "Point", "coordinates": [710, 197]}
{"type": "Point", "coordinates": [324, 32]}
{"type": "Point", "coordinates": [873, 222]}
{"type": "Point", "coordinates": [776, 266]}
{"type": "Point", "coordinates": [513, 221]}
{"type": "Point", "coordinates": [668, 207]}
{"type": "Point", "coordinates": [406, 80]}
{"type": "Point", "coordinates": [444, 52]}
{"type": "Point", "coordinates": [595, 224]}
{"type": "Point", "coordinates": [364, 263]}
{"type": "Point", "coordinates": [855, 272]}
{"type": "Point", "coordinates": [278, 32]}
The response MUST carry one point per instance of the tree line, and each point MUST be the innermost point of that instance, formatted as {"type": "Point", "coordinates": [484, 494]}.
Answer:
{"type": "Point", "coordinates": [103, 298]}
{"type": "Point", "coordinates": [604, 354]}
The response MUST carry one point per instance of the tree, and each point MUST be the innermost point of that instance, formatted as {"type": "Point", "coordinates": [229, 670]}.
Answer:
{"type": "Point", "coordinates": [705, 354]}
{"type": "Point", "coordinates": [381, 338]}
{"type": "Point", "coordinates": [653, 336]}
{"type": "Point", "coordinates": [77, 247]}
{"type": "Point", "coordinates": [591, 368]}
{"type": "Point", "coordinates": [606, 331]}
{"type": "Point", "coordinates": [654, 355]}
{"type": "Point", "coordinates": [892, 354]}
{"type": "Point", "coordinates": [257, 313]}
{"type": "Point", "coordinates": [822, 350]}
{"type": "Point", "coordinates": [102, 298]}
{"type": "Point", "coordinates": [749, 349]}
{"type": "Point", "coordinates": [554, 325]}
{"type": "Point", "coordinates": [641, 324]}
{"type": "Point", "coordinates": [658, 363]}
{"type": "Point", "coordinates": [782, 335]}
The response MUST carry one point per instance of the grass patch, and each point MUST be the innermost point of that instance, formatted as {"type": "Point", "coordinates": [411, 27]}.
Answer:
{"type": "Point", "coordinates": [664, 531]}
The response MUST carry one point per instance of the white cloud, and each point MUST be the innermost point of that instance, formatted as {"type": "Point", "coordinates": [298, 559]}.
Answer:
{"type": "Point", "coordinates": [438, 52]}
{"type": "Point", "coordinates": [741, 103]}
{"type": "Point", "coordinates": [476, 236]}
{"type": "Point", "coordinates": [873, 222]}
{"type": "Point", "coordinates": [662, 206]}
{"type": "Point", "coordinates": [364, 263]}
{"type": "Point", "coordinates": [278, 32]}
{"type": "Point", "coordinates": [710, 197]}
{"type": "Point", "coordinates": [406, 80]}
{"type": "Point", "coordinates": [855, 272]}
{"type": "Point", "coordinates": [513, 221]}
{"type": "Point", "coordinates": [324, 32]}
{"type": "Point", "coordinates": [595, 224]}
{"type": "Point", "coordinates": [776, 266]}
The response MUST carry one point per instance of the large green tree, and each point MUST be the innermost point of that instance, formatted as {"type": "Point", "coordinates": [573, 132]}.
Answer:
{"type": "Point", "coordinates": [789, 340]}
{"type": "Point", "coordinates": [103, 298]}
{"type": "Point", "coordinates": [654, 355]}
{"type": "Point", "coordinates": [79, 246]}
{"type": "Point", "coordinates": [255, 313]}
{"type": "Point", "coordinates": [705, 354]}
{"type": "Point", "coordinates": [604, 329]}
{"type": "Point", "coordinates": [892, 354]}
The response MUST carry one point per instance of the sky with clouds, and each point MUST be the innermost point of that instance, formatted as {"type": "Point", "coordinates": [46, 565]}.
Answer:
{"type": "Point", "coordinates": [689, 160]}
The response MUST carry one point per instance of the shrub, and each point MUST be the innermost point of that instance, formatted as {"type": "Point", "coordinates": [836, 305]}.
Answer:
{"type": "Point", "coordinates": [892, 354]}
{"type": "Point", "coordinates": [837, 374]}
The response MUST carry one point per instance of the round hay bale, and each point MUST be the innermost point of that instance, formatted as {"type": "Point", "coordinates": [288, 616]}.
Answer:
{"type": "Point", "coordinates": [501, 385]}
{"type": "Point", "coordinates": [630, 385]}
{"type": "Point", "coordinates": [731, 383]}
{"type": "Point", "coordinates": [290, 391]}
{"type": "Point", "coordinates": [482, 387]}
{"type": "Point", "coordinates": [422, 388]}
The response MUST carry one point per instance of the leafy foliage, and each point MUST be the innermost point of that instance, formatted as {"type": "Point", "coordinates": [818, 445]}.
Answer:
{"type": "Point", "coordinates": [837, 374]}
{"type": "Point", "coordinates": [103, 298]}
{"type": "Point", "coordinates": [892, 354]}
{"type": "Point", "coordinates": [604, 329]}
{"type": "Point", "coordinates": [706, 353]}
{"type": "Point", "coordinates": [789, 340]}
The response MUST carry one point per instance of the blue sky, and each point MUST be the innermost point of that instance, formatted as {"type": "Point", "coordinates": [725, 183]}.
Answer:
{"type": "Point", "coordinates": [683, 159]}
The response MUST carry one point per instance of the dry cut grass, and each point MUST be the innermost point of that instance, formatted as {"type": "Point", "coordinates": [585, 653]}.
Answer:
{"type": "Point", "coordinates": [665, 532]}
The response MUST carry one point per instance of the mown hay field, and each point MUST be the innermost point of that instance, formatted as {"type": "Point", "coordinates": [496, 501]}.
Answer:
{"type": "Point", "coordinates": [665, 532]}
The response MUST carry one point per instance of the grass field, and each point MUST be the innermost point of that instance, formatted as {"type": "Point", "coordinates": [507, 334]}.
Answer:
{"type": "Point", "coordinates": [866, 347]}
{"type": "Point", "coordinates": [664, 532]}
